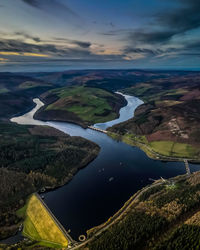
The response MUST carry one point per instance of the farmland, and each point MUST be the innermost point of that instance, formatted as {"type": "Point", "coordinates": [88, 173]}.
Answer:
{"type": "Point", "coordinates": [82, 105]}
{"type": "Point", "coordinates": [168, 119]}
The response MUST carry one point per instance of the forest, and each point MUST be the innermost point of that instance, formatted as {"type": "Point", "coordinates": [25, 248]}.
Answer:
{"type": "Point", "coordinates": [33, 157]}
{"type": "Point", "coordinates": [164, 217]}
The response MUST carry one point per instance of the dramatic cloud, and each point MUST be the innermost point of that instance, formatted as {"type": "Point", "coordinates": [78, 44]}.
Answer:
{"type": "Point", "coordinates": [168, 24]}
{"type": "Point", "coordinates": [141, 33]}
{"type": "Point", "coordinates": [194, 45]}
{"type": "Point", "coordinates": [33, 3]}
{"type": "Point", "coordinates": [54, 8]}
{"type": "Point", "coordinates": [150, 37]}
{"type": "Point", "coordinates": [25, 35]}
{"type": "Point", "coordinates": [51, 6]}
{"type": "Point", "coordinates": [11, 45]}
{"type": "Point", "coordinates": [183, 19]}
{"type": "Point", "coordinates": [81, 50]}
{"type": "Point", "coordinates": [152, 52]}
{"type": "Point", "coordinates": [81, 44]}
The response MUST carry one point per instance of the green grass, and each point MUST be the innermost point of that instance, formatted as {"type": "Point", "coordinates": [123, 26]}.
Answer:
{"type": "Point", "coordinates": [89, 104]}
{"type": "Point", "coordinates": [40, 226]}
{"type": "Point", "coordinates": [164, 148]}
{"type": "Point", "coordinates": [136, 138]}
{"type": "Point", "coordinates": [22, 211]}
{"type": "Point", "coordinates": [170, 148]}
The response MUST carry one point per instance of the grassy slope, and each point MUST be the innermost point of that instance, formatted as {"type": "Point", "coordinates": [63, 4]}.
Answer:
{"type": "Point", "coordinates": [170, 148]}
{"type": "Point", "coordinates": [40, 226]}
{"type": "Point", "coordinates": [88, 105]}
{"type": "Point", "coordinates": [162, 215]}
{"type": "Point", "coordinates": [164, 150]}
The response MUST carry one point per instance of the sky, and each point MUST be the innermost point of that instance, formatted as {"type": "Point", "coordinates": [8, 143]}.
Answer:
{"type": "Point", "coordinates": [54, 35]}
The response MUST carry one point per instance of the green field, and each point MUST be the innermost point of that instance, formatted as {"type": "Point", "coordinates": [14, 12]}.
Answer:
{"type": "Point", "coordinates": [40, 226]}
{"type": "Point", "coordinates": [164, 148]}
{"type": "Point", "coordinates": [90, 104]}
{"type": "Point", "coordinates": [170, 148]}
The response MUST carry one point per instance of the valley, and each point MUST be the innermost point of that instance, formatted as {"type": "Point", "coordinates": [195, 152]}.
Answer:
{"type": "Point", "coordinates": [157, 128]}
{"type": "Point", "coordinates": [168, 122]}
{"type": "Point", "coordinates": [38, 157]}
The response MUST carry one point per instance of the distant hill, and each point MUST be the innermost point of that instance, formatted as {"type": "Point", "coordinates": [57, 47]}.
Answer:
{"type": "Point", "coordinates": [107, 79]}
{"type": "Point", "coordinates": [169, 119]}
{"type": "Point", "coordinates": [17, 92]}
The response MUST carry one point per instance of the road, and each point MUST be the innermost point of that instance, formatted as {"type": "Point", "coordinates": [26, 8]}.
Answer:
{"type": "Point", "coordinates": [118, 215]}
{"type": "Point", "coordinates": [98, 129]}
{"type": "Point", "coordinates": [156, 155]}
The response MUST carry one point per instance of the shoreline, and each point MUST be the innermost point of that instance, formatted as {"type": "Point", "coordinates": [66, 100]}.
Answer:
{"type": "Point", "coordinates": [121, 213]}
{"type": "Point", "coordinates": [149, 151]}
{"type": "Point", "coordinates": [51, 189]}
{"type": "Point", "coordinates": [38, 116]}
{"type": "Point", "coordinates": [47, 189]}
{"type": "Point", "coordinates": [26, 121]}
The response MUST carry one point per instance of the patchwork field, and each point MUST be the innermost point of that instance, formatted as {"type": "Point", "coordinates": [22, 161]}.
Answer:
{"type": "Point", "coordinates": [81, 104]}
{"type": "Point", "coordinates": [88, 103]}
{"type": "Point", "coordinates": [40, 226]}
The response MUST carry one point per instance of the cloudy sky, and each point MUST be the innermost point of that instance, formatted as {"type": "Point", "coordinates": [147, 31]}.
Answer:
{"type": "Point", "coordinates": [41, 35]}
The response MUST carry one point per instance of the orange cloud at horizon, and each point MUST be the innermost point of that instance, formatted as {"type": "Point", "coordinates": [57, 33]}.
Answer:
{"type": "Point", "coordinates": [35, 54]}
{"type": "Point", "coordinates": [6, 53]}
{"type": "Point", "coordinates": [10, 53]}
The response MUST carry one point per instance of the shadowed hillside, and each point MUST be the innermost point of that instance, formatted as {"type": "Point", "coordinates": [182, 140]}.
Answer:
{"type": "Point", "coordinates": [33, 157]}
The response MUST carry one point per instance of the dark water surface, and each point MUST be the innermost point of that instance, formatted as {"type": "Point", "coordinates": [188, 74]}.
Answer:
{"type": "Point", "coordinates": [100, 189]}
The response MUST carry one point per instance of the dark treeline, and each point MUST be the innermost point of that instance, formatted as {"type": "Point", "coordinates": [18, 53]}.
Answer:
{"type": "Point", "coordinates": [33, 157]}
{"type": "Point", "coordinates": [164, 217]}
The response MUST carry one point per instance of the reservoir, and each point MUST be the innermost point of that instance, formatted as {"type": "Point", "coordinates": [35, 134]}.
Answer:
{"type": "Point", "coordinates": [100, 189]}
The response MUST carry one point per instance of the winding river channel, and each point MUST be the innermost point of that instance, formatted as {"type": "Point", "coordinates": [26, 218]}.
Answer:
{"type": "Point", "coordinates": [99, 190]}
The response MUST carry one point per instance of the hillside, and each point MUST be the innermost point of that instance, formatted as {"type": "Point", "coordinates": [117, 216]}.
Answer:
{"type": "Point", "coordinates": [111, 80]}
{"type": "Point", "coordinates": [33, 157]}
{"type": "Point", "coordinates": [168, 122]}
{"type": "Point", "coordinates": [165, 215]}
{"type": "Point", "coordinates": [81, 105]}
{"type": "Point", "coordinates": [17, 92]}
